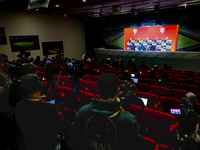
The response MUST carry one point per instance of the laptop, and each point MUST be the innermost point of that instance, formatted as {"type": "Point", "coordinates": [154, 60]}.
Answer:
{"type": "Point", "coordinates": [132, 75]}
{"type": "Point", "coordinates": [135, 80]}
{"type": "Point", "coordinates": [145, 100]}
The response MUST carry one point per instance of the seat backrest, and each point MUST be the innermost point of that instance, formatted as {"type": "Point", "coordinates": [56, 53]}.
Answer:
{"type": "Point", "coordinates": [142, 87]}
{"type": "Point", "coordinates": [176, 80]}
{"type": "Point", "coordinates": [177, 93]}
{"type": "Point", "coordinates": [98, 73]}
{"type": "Point", "coordinates": [152, 98]}
{"type": "Point", "coordinates": [87, 77]}
{"type": "Point", "coordinates": [135, 110]}
{"type": "Point", "coordinates": [159, 90]}
{"type": "Point", "coordinates": [92, 87]}
{"type": "Point", "coordinates": [81, 85]}
{"type": "Point", "coordinates": [150, 81]}
{"type": "Point", "coordinates": [181, 76]}
{"type": "Point", "coordinates": [189, 87]}
{"type": "Point", "coordinates": [168, 102]}
{"type": "Point", "coordinates": [158, 121]}
{"type": "Point", "coordinates": [86, 97]}
{"type": "Point", "coordinates": [94, 78]}
{"type": "Point", "coordinates": [148, 144]}
{"type": "Point", "coordinates": [66, 81]}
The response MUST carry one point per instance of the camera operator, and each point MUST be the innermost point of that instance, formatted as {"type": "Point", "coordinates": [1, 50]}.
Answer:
{"type": "Point", "coordinates": [103, 123]}
{"type": "Point", "coordinates": [128, 95]}
{"type": "Point", "coordinates": [39, 122]}
{"type": "Point", "coordinates": [188, 133]}
{"type": "Point", "coordinates": [17, 92]}
{"type": "Point", "coordinates": [5, 82]}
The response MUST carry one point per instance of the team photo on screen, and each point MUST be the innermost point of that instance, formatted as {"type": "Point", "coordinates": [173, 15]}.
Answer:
{"type": "Point", "coordinates": [159, 38]}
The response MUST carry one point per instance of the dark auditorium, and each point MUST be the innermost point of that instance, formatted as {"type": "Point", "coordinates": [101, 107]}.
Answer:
{"type": "Point", "coordinates": [100, 75]}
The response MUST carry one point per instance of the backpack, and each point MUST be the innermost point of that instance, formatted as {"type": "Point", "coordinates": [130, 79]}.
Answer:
{"type": "Point", "coordinates": [101, 132]}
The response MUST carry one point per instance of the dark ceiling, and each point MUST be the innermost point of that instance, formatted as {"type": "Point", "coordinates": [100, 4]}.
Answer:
{"type": "Point", "coordinates": [94, 7]}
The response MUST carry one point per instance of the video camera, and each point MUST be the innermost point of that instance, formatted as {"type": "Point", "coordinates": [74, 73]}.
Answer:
{"type": "Point", "coordinates": [189, 118]}
{"type": "Point", "coordinates": [126, 93]}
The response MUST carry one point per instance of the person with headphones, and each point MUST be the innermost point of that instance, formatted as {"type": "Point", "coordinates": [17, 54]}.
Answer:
{"type": "Point", "coordinates": [38, 121]}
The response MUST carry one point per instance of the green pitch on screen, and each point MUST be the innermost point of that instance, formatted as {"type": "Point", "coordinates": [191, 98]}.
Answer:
{"type": "Point", "coordinates": [183, 42]}
{"type": "Point", "coordinates": [24, 44]}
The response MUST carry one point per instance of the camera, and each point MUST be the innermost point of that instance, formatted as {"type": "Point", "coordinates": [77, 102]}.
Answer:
{"type": "Point", "coordinates": [126, 94]}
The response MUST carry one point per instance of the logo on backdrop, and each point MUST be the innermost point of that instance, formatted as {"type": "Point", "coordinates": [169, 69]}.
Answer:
{"type": "Point", "coordinates": [135, 31]}
{"type": "Point", "coordinates": [162, 30]}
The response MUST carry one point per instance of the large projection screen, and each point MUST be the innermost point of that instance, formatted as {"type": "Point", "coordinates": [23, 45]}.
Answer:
{"type": "Point", "coordinates": [158, 38]}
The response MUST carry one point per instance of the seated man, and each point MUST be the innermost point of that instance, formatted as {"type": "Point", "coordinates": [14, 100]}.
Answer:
{"type": "Point", "coordinates": [103, 123]}
{"type": "Point", "coordinates": [165, 82]}
{"type": "Point", "coordinates": [39, 122]}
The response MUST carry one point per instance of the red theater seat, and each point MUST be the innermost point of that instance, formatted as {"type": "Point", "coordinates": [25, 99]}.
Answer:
{"type": "Point", "coordinates": [87, 77]}
{"type": "Point", "coordinates": [177, 93]}
{"type": "Point", "coordinates": [176, 80]}
{"type": "Point", "coordinates": [98, 73]}
{"type": "Point", "coordinates": [81, 85]}
{"type": "Point", "coordinates": [66, 81]}
{"type": "Point", "coordinates": [189, 87]}
{"type": "Point", "coordinates": [103, 69]}
{"type": "Point", "coordinates": [137, 112]}
{"type": "Point", "coordinates": [159, 90]}
{"type": "Point", "coordinates": [92, 87]}
{"type": "Point", "coordinates": [160, 124]}
{"type": "Point", "coordinates": [181, 76]}
{"type": "Point", "coordinates": [168, 102]}
{"type": "Point", "coordinates": [85, 97]}
{"type": "Point", "coordinates": [148, 144]}
{"type": "Point", "coordinates": [150, 81]}
{"type": "Point", "coordinates": [153, 99]}
{"type": "Point", "coordinates": [94, 78]}
{"type": "Point", "coordinates": [142, 87]}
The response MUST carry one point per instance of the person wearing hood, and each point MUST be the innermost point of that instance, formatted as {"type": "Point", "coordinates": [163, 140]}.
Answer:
{"type": "Point", "coordinates": [108, 107]}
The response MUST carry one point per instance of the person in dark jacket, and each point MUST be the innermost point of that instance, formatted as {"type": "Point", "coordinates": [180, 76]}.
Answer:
{"type": "Point", "coordinates": [108, 107]}
{"type": "Point", "coordinates": [165, 82]}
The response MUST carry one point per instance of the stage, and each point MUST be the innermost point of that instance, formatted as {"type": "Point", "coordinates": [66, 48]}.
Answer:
{"type": "Point", "coordinates": [177, 60]}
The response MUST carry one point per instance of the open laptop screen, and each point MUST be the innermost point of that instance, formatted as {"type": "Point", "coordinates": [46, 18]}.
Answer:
{"type": "Point", "coordinates": [145, 100]}
{"type": "Point", "coordinates": [135, 80]}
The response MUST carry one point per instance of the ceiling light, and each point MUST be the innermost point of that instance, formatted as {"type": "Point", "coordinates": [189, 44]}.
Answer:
{"type": "Point", "coordinates": [56, 5]}
{"type": "Point", "coordinates": [37, 9]}
{"type": "Point", "coordinates": [83, 0]}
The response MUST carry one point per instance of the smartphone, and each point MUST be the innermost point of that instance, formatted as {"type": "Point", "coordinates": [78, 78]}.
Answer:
{"type": "Point", "coordinates": [43, 79]}
{"type": "Point", "coordinates": [52, 101]}
{"type": "Point", "coordinates": [70, 64]}
{"type": "Point", "coordinates": [175, 111]}
{"type": "Point", "coordinates": [159, 80]}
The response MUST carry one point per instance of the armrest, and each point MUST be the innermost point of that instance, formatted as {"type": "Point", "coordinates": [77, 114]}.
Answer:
{"type": "Point", "coordinates": [173, 128]}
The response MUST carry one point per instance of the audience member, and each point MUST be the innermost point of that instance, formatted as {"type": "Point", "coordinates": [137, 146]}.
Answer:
{"type": "Point", "coordinates": [152, 75]}
{"type": "Point", "coordinates": [108, 61]}
{"type": "Point", "coordinates": [116, 63]}
{"type": "Point", "coordinates": [167, 66]}
{"type": "Point", "coordinates": [37, 60]}
{"type": "Point", "coordinates": [165, 82]}
{"type": "Point", "coordinates": [39, 122]}
{"type": "Point", "coordinates": [126, 126]}
{"type": "Point", "coordinates": [156, 69]}
{"type": "Point", "coordinates": [131, 63]}
{"type": "Point", "coordinates": [122, 65]}
{"type": "Point", "coordinates": [126, 75]}
{"type": "Point", "coordinates": [143, 65]}
{"type": "Point", "coordinates": [45, 58]}
{"type": "Point", "coordinates": [190, 80]}
{"type": "Point", "coordinates": [17, 92]}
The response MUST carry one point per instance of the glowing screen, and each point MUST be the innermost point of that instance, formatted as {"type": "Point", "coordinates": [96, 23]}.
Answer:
{"type": "Point", "coordinates": [158, 38]}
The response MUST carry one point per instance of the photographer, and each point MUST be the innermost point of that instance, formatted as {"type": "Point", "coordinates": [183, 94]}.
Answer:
{"type": "Point", "coordinates": [39, 122]}
{"type": "Point", "coordinates": [103, 123]}
{"type": "Point", "coordinates": [16, 92]}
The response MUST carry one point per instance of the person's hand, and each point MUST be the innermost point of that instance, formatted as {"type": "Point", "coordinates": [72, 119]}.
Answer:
{"type": "Point", "coordinates": [117, 99]}
{"type": "Point", "coordinates": [1, 89]}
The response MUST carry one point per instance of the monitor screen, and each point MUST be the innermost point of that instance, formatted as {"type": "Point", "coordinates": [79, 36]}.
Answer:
{"type": "Point", "coordinates": [132, 75]}
{"type": "Point", "coordinates": [157, 38]}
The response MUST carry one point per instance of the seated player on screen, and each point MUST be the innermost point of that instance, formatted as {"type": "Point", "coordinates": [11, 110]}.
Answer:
{"type": "Point", "coordinates": [141, 47]}
{"type": "Point", "coordinates": [132, 46]}
{"type": "Point", "coordinates": [152, 48]}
